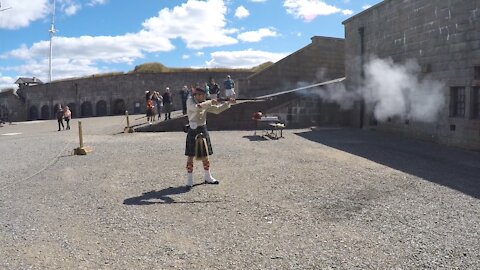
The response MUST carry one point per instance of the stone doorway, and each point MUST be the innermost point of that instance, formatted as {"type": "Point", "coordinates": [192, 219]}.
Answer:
{"type": "Point", "coordinates": [33, 113]}
{"type": "Point", "coordinates": [119, 107]}
{"type": "Point", "coordinates": [101, 108]}
{"type": "Point", "coordinates": [86, 110]}
{"type": "Point", "coordinates": [45, 112]}
{"type": "Point", "coordinates": [4, 113]}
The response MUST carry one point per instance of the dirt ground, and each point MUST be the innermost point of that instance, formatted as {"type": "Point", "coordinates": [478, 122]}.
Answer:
{"type": "Point", "coordinates": [323, 199]}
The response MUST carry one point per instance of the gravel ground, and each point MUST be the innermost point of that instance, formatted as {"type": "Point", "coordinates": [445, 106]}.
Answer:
{"type": "Point", "coordinates": [324, 199]}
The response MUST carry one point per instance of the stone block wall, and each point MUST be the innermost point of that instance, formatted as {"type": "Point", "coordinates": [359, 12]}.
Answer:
{"type": "Point", "coordinates": [9, 102]}
{"type": "Point", "coordinates": [320, 61]}
{"type": "Point", "coordinates": [443, 37]}
{"type": "Point", "coordinates": [111, 95]}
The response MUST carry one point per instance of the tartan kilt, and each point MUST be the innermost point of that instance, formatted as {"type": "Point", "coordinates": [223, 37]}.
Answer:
{"type": "Point", "coordinates": [190, 142]}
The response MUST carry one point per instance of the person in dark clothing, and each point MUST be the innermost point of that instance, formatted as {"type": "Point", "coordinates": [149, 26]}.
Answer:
{"type": "Point", "coordinates": [184, 96]}
{"type": "Point", "coordinates": [167, 103]}
{"type": "Point", "coordinates": [214, 89]}
{"type": "Point", "coordinates": [59, 114]}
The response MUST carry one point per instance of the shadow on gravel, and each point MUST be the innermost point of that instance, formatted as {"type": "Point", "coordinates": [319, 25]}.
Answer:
{"type": "Point", "coordinates": [161, 197]}
{"type": "Point", "coordinates": [451, 167]}
{"type": "Point", "coordinates": [255, 138]}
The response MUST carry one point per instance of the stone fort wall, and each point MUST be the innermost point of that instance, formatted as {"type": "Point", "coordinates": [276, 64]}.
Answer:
{"type": "Point", "coordinates": [322, 60]}
{"type": "Point", "coordinates": [111, 95]}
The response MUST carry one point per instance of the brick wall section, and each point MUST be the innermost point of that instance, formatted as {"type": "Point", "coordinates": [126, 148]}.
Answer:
{"type": "Point", "coordinates": [128, 89]}
{"type": "Point", "coordinates": [442, 36]}
{"type": "Point", "coordinates": [322, 60]}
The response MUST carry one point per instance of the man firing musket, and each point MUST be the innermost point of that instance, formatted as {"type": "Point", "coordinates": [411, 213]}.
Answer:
{"type": "Point", "coordinates": [198, 141]}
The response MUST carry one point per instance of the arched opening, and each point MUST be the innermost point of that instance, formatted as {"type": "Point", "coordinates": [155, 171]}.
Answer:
{"type": "Point", "coordinates": [3, 113]}
{"type": "Point", "coordinates": [86, 109]}
{"type": "Point", "coordinates": [119, 107]}
{"type": "Point", "coordinates": [33, 113]}
{"type": "Point", "coordinates": [101, 108]}
{"type": "Point", "coordinates": [45, 112]}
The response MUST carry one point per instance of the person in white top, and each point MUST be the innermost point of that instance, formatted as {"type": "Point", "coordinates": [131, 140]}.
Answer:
{"type": "Point", "coordinates": [198, 141]}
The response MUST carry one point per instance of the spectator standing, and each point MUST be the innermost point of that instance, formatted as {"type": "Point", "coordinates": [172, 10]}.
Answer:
{"type": "Point", "coordinates": [167, 103]}
{"type": "Point", "coordinates": [214, 88]}
{"type": "Point", "coordinates": [184, 96]}
{"type": "Point", "coordinates": [59, 114]}
{"type": "Point", "coordinates": [67, 115]}
{"type": "Point", "coordinates": [229, 86]}
{"type": "Point", "coordinates": [159, 103]}
{"type": "Point", "coordinates": [150, 114]}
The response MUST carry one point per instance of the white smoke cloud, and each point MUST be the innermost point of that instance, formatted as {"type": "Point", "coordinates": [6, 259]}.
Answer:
{"type": "Point", "coordinates": [394, 90]}
{"type": "Point", "coordinates": [390, 90]}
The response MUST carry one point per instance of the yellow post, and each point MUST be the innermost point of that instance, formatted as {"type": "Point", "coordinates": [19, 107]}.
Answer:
{"type": "Point", "coordinates": [128, 120]}
{"type": "Point", "coordinates": [128, 129]}
{"type": "Point", "coordinates": [80, 133]}
{"type": "Point", "coordinates": [81, 150]}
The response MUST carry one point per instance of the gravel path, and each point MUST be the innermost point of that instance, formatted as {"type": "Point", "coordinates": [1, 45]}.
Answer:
{"type": "Point", "coordinates": [326, 199]}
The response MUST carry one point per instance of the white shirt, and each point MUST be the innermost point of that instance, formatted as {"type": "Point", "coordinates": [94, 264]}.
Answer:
{"type": "Point", "coordinates": [198, 116]}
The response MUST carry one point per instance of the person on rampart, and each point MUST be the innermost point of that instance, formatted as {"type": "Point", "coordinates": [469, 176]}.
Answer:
{"type": "Point", "coordinates": [167, 103]}
{"type": "Point", "coordinates": [229, 86]}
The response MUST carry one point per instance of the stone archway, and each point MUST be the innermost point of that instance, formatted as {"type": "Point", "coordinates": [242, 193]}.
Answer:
{"type": "Point", "coordinates": [45, 112]}
{"type": "Point", "coordinates": [101, 108]}
{"type": "Point", "coordinates": [3, 113]}
{"type": "Point", "coordinates": [86, 109]}
{"type": "Point", "coordinates": [33, 113]}
{"type": "Point", "coordinates": [118, 107]}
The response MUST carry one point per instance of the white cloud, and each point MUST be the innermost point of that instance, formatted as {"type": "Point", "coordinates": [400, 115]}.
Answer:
{"type": "Point", "coordinates": [200, 54]}
{"type": "Point", "coordinates": [84, 53]}
{"type": "Point", "coordinates": [241, 12]}
{"type": "Point", "coordinates": [192, 22]}
{"type": "Point", "coordinates": [366, 7]}
{"type": "Point", "coordinates": [347, 12]}
{"type": "Point", "coordinates": [308, 10]}
{"type": "Point", "coordinates": [7, 82]}
{"type": "Point", "coordinates": [257, 1]}
{"type": "Point", "coordinates": [256, 36]}
{"type": "Point", "coordinates": [72, 9]}
{"type": "Point", "coordinates": [242, 59]}
{"type": "Point", "coordinates": [23, 12]}
{"type": "Point", "coordinates": [185, 56]}
{"type": "Point", "coordinates": [96, 2]}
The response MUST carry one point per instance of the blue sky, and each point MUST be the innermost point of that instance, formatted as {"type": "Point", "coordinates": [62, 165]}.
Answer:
{"type": "Point", "coordinates": [100, 36]}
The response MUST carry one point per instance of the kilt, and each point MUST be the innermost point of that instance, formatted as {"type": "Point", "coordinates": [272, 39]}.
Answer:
{"type": "Point", "coordinates": [190, 143]}
{"type": "Point", "coordinates": [149, 111]}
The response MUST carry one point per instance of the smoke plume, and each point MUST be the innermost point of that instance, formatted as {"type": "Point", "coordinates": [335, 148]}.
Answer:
{"type": "Point", "coordinates": [390, 90]}
{"type": "Point", "coordinates": [394, 90]}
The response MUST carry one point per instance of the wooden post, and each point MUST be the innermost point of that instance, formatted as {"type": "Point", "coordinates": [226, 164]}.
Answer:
{"type": "Point", "coordinates": [128, 129]}
{"type": "Point", "coordinates": [80, 133]}
{"type": "Point", "coordinates": [82, 150]}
